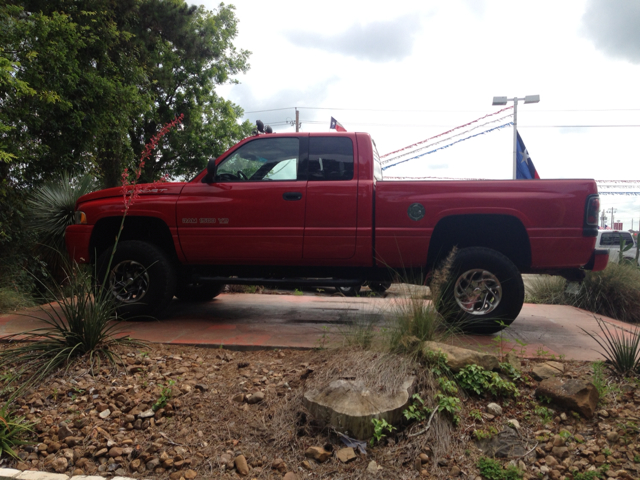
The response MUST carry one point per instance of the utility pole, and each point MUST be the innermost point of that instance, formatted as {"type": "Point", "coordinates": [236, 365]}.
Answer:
{"type": "Point", "coordinates": [603, 219]}
{"type": "Point", "coordinates": [297, 120]}
{"type": "Point", "coordinates": [613, 210]}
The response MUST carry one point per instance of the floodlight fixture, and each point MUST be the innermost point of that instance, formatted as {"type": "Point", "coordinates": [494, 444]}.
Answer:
{"type": "Point", "coordinates": [499, 100]}
{"type": "Point", "coordinates": [532, 99]}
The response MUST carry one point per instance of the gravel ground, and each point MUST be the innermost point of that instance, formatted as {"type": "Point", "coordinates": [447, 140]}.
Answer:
{"type": "Point", "coordinates": [186, 412]}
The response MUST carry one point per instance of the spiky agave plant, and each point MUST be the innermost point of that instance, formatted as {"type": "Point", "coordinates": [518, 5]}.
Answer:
{"type": "Point", "coordinates": [620, 346]}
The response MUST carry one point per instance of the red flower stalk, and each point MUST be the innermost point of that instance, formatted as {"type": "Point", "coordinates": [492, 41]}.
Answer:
{"type": "Point", "coordinates": [130, 187]}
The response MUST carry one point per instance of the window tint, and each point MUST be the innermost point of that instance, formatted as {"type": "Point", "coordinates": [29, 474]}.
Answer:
{"type": "Point", "coordinates": [330, 158]}
{"type": "Point", "coordinates": [627, 238]}
{"type": "Point", "coordinates": [612, 238]}
{"type": "Point", "coordinates": [260, 160]}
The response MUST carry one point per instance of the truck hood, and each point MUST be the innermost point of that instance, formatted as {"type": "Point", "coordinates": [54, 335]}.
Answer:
{"type": "Point", "coordinates": [144, 189]}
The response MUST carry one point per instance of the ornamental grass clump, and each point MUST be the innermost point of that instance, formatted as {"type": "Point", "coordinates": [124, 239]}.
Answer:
{"type": "Point", "coordinates": [80, 322]}
{"type": "Point", "coordinates": [13, 429]}
{"type": "Point", "coordinates": [620, 346]}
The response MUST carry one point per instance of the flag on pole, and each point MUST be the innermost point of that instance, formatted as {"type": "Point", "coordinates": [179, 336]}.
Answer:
{"type": "Point", "coordinates": [525, 168]}
{"type": "Point", "coordinates": [335, 125]}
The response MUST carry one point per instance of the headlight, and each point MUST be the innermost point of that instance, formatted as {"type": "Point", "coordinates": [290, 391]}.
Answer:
{"type": "Point", "coordinates": [80, 218]}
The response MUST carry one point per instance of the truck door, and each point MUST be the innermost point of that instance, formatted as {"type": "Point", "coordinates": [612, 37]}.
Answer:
{"type": "Point", "coordinates": [332, 198]}
{"type": "Point", "coordinates": [253, 211]}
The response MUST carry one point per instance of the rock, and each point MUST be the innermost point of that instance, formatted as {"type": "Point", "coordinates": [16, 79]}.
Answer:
{"type": "Point", "coordinates": [550, 461]}
{"type": "Point", "coordinates": [546, 370]}
{"type": "Point", "coordinates": [513, 360]}
{"type": "Point", "coordinates": [278, 464]}
{"type": "Point", "coordinates": [241, 465]}
{"type": "Point", "coordinates": [494, 409]}
{"type": "Point", "coordinates": [454, 472]}
{"type": "Point", "coordinates": [238, 397]}
{"type": "Point", "coordinates": [612, 437]}
{"type": "Point", "coordinates": [513, 423]}
{"type": "Point", "coordinates": [290, 476]}
{"type": "Point", "coordinates": [254, 398]}
{"type": "Point", "coordinates": [115, 452]}
{"type": "Point", "coordinates": [64, 432]}
{"type": "Point", "coordinates": [348, 406]}
{"type": "Point", "coordinates": [104, 414]}
{"type": "Point", "coordinates": [307, 465]}
{"type": "Point", "coordinates": [458, 357]}
{"type": "Point", "coordinates": [317, 453]}
{"type": "Point", "coordinates": [574, 394]}
{"type": "Point", "coordinates": [345, 455]}
{"type": "Point", "coordinates": [505, 444]}
{"type": "Point", "coordinates": [147, 413]}
{"type": "Point", "coordinates": [372, 468]}
{"type": "Point", "coordinates": [190, 474]}
{"type": "Point", "coordinates": [73, 441]}
{"type": "Point", "coordinates": [560, 452]}
{"type": "Point", "coordinates": [424, 458]}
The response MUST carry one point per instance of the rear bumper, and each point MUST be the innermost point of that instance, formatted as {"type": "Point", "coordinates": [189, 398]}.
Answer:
{"type": "Point", "coordinates": [598, 261]}
{"type": "Point", "coordinates": [77, 238]}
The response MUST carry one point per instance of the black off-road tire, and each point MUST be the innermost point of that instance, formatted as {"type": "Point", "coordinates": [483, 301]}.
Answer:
{"type": "Point", "coordinates": [350, 290]}
{"type": "Point", "coordinates": [379, 287]}
{"type": "Point", "coordinates": [198, 292]}
{"type": "Point", "coordinates": [141, 277]}
{"type": "Point", "coordinates": [472, 270]}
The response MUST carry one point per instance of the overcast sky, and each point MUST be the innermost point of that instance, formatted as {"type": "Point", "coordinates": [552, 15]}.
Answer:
{"type": "Point", "coordinates": [405, 71]}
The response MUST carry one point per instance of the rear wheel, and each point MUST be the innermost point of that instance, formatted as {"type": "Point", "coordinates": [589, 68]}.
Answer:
{"type": "Point", "coordinates": [485, 293]}
{"type": "Point", "coordinates": [141, 278]}
{"type": "Point", "coordinates": [198, 292]}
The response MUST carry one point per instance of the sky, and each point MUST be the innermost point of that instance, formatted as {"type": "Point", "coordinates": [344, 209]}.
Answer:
{"type": "Point", "coordinates": [406, 71]}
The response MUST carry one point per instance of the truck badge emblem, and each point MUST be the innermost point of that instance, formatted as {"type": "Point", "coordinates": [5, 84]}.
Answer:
{"type": "Point", "coordinates": [415, 211]}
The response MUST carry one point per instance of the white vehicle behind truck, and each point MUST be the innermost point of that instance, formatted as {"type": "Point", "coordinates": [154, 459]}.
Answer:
{"type": "Point", "coordinates": [610, 240]}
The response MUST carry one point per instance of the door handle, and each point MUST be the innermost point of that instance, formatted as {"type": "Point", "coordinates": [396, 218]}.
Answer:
{"type": "Point", "coordinates": [292, 196]}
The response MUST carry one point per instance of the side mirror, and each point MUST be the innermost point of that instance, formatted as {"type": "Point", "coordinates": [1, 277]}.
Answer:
{"type": "Point", "coordinates": [211, 171]}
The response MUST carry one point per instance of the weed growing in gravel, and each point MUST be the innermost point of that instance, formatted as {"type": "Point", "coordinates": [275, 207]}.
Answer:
{"type": "Point", "coordinates": [13, 429]}
{"type": "Point", "coordinates": [620, 347]}
{"type": "Point", "coordinates": [599, 378]}
{"type": "Point", "coordinates": [474, 378]}
{"type": "Point", "coordinates": [164, 397]}
{"type": "Point", "coordinates": [545, 414]}
{"type": "Point", "coordinates": [379, 426]}
{"type": "Point", "coordinates": [492, 470]}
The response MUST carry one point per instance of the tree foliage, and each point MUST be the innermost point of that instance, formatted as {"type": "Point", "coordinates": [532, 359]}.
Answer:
{"type": "Point", "coordinates": [84, 84]}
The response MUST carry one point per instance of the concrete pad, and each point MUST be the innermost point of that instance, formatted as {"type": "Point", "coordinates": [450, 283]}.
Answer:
{"type": "Point", "coordinates": [254, 321]}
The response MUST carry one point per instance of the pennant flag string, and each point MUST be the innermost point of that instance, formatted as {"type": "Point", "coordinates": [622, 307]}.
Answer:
{"type": "Point", "coordinates": [392, 159]}
{"type": "Point", "coordinates": [447, 132]}
{"type": "Point", "coordinates": [449, 145]}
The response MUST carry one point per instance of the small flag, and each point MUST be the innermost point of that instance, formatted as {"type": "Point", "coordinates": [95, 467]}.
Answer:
{"type": "Point", "coordinates": [525, 168]}
{"type": "Point", "coordinates": [335, 125]}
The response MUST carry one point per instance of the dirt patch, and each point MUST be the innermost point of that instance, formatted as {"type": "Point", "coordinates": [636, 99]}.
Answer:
{"type": "Point", "coordinates": [187, 412]}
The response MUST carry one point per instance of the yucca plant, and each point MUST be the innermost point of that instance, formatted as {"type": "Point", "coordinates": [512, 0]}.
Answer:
{"type": "Point", "coordinates": [80, 323]}
{"type": "Point", "coordinates": [12, 430]}
{"type": "Point", "coordinates": [619, 346]}
{"type": "Point", "coordinates": [51, 211]}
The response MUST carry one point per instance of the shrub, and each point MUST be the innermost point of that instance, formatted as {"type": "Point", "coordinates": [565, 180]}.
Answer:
{"type": "Point", "coordinates": [614, 292]}
{"type": "Point", "coordinates": [492, 470]}
{"type": "Point", "coordinates": [474, 378]}
{"type": "Point", "coordinates": [12, 299]}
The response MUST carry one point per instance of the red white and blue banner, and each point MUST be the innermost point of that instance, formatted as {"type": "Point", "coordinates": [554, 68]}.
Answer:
{"type": "Point", "coordinates": [335, 125]}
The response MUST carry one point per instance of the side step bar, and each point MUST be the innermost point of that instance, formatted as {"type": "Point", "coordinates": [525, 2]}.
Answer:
{"type": "Point", "coordinates": [312, 282]}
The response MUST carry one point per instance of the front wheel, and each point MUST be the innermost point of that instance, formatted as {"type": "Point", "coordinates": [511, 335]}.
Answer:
{"type": "Point", "coordinates": [485, 291]}
{"type": "Point", "coordinates": [140, 276]}
{"type": "Point", "coordinates": [349, 291]}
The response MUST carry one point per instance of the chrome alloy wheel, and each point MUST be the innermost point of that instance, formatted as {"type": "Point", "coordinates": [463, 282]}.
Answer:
{"type": "Point", "coordinates": [129, 281]}
{"type": "Point", "coordinates": [478, 292]}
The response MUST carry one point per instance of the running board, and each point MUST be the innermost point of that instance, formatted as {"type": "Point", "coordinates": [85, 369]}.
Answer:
{"type": "Point", "coordinates": [312, 282]}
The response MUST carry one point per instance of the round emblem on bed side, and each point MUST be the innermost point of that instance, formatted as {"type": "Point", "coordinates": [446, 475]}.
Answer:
{"type": "Point", "coordinates": [415, 211]}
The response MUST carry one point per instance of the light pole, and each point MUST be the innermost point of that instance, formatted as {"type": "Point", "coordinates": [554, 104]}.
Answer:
{"type": "Point", "coordinates": [503, 101]}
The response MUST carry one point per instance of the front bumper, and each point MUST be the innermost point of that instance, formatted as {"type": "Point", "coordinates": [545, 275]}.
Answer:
{"type": "Point", "coordinates": [77, 239]}
{"type": "Point", "coordinates": [598, 261]}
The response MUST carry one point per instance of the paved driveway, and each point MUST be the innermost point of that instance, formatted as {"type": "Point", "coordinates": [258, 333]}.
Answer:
{"type": "Point", "coordinates": [251, 321]}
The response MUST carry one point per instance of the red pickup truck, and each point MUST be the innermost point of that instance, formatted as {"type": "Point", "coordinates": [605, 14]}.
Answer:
{"type": "Point", "coordinates": [312, 208]}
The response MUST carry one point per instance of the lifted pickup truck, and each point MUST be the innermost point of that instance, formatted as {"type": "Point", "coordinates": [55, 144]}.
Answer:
{"type": "Point", "coordinates": [312, 208]}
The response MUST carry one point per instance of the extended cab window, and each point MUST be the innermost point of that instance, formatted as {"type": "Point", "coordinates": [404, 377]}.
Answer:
{"type": "Point", "coordinates": [260, 160]}
{"type": "Point", "coordinates": [612, 238]}
{"type": "Point", "coordinates": [330, 158]}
